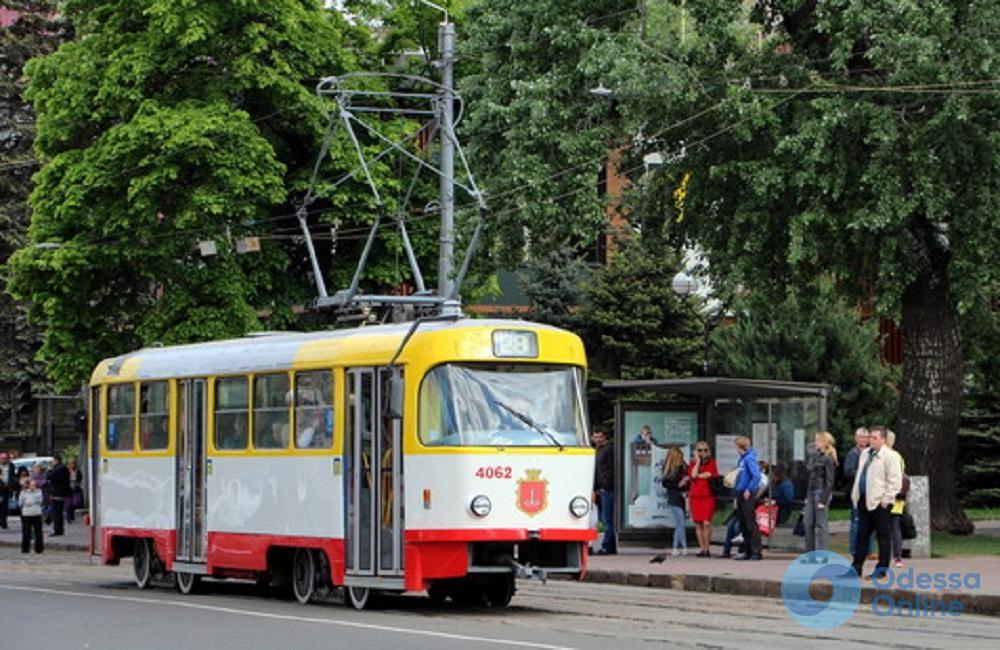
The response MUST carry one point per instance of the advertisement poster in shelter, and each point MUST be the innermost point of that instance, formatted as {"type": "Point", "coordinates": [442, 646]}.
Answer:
{"type": "Point", "coordinates": [646, 499]}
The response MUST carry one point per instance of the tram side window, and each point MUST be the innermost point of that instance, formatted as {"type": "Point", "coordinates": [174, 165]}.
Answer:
{"type": "Point", "coordinates": [231, 404]}
{"type": "Point", "coordinates": [153, 416]}
{"type": "Point", "coordinates": [121, 417]}
{"type": "Point", "coordinates": [271, 400]}
{"type": "Point", "coordinates": [433, 415]}
{"type": "Point", "coordinates": [314, 410]}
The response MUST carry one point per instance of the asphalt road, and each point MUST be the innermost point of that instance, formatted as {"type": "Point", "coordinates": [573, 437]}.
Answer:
{"type": "Point", "coordinates": [61, 601]}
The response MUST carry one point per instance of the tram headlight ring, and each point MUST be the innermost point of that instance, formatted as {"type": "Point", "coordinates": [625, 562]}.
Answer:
{"type": "Point", "coordinates": [579, 506]}
{"type": "Point", "coordinates": [481, 505]}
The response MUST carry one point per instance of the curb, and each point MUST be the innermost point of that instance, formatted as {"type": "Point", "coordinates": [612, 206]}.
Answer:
{"type": "Point", "coordinates": [982, 604]}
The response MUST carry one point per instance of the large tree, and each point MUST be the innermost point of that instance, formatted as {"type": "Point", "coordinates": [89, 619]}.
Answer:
{"type": "Point", "coordinates": [34, 30]}
{"type": "Point", "coordinates": [855, 138]}
{"type": "Point", "coordinates": [811, 334]}
{"type": "Point", "coordinates": [166, 123]}
{"type": "Point", "coordinates": [537, 135]}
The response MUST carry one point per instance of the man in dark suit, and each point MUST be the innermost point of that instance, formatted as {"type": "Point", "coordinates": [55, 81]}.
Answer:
{"type": "Point", "coordinates": [604, 495]}
{"type": "Point", "coordinates": [59, 491]}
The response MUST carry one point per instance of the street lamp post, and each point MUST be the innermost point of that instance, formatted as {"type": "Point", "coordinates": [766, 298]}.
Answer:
{"type": "Point", "coordinates": [684, 285]}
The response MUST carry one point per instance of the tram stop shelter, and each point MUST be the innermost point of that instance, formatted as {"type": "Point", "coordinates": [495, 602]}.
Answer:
{"type": "Point", "coordinates": [780, 417]}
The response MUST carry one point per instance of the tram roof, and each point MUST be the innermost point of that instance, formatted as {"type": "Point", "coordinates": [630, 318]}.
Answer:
{"type": "Point", "coordinates": [271, 350]}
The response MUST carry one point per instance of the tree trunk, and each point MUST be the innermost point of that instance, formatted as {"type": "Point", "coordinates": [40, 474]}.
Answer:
{"type": "Point", "coordinates": [931, 405]}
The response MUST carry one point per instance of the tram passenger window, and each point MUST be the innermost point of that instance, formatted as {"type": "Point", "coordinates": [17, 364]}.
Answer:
{"type": "Point", "coordinates": [231, 404]}
{"type": "Point", "coordinates": [270, 411]}
{"type": "Point", "coordinates": [153, 416]}
{"type": "Point", "coordinates": [314, 410]}
{"type": "Point", "coordinates": [121, 417]}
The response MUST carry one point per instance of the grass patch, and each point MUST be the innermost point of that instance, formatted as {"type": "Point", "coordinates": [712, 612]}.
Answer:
{"type": "Point", "coordinates": [982, 514]}
{"type": "Point", "coordinates": [975, 514]}
{"type": "Point", "coordinates": [839, 514]}
{"type": "Point", "coordinates": [945, 544]}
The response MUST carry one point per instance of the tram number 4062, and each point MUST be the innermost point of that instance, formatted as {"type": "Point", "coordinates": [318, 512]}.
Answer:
{"type": "Point", "coordinates": [502, 472]}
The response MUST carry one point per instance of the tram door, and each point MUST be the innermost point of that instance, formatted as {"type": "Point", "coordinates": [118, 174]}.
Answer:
{"type": "Point", "coordinates": [94, 471]}
{"type": "Point", "coordinates": [191, 408]}
{"type": "Point", "coordinates": [374, 478]}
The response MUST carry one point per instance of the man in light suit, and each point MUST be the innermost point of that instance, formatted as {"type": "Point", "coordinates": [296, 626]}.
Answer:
{"type": "Point", "coordinates": [878, 481]}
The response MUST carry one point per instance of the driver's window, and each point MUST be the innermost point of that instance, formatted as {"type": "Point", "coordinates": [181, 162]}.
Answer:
{"type": "Point", "coordinates": [432, 411]}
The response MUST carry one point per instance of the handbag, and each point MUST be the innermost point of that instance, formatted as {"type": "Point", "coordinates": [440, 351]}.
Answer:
{"type": "Point", "coordinates": [730, 480]}
{"type": "Point", "coordinates": [767, 518]}
{"type": "Point", "coordinates": [717, 484]}
{"type": "Point", "coordinates": [800, 526]}
{"type": "Point", "coordinates": [907, 526]}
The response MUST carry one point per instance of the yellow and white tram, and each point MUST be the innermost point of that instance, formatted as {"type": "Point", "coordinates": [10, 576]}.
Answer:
{"type": "Point", "coordinates": [448, 455]}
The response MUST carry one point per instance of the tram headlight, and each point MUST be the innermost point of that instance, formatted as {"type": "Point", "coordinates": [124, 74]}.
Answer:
{"type": "Point", "coordinates": [579, 506]}
{"type": "Point", "coordinates": [481, 505]}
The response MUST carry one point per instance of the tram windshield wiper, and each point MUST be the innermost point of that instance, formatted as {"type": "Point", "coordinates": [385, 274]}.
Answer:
{"type": "Point", "coordinates": [531, 423]}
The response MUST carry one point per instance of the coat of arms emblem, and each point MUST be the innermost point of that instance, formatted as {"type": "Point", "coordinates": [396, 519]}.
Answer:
{"type": "Point", "coordinates": [532, 492]}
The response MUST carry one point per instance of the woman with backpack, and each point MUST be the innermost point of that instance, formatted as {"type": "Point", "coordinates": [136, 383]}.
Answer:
{"type": "Point", "coordinates": [702, 470]}
{"type": "Point", "coordinates": [676, 480]}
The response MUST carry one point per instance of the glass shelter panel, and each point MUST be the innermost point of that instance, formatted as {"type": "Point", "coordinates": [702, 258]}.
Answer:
{"type": "Point", "coordinates": [649, 433]}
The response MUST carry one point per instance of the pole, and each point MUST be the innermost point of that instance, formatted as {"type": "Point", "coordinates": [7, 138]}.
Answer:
{"type": "Point", "coordinates": [705, 334]}
{"type": "Point", "coordinates": [446, 35]}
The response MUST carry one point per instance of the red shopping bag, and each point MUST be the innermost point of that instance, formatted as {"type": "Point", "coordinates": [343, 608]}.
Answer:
{"type": "Point", "coordinates": [767, 518]}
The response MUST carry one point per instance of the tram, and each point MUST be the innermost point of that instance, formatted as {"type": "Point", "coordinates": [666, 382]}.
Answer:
{"type": "Point", "coordinates": [442, 455]}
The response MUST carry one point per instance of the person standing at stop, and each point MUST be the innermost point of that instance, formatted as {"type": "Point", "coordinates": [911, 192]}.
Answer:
{"type": "Point", "coordinates": [30, 502]}
{"type": "Point", "coordinates": [878, 481]}
{"type": "Point", "coordinates": [747, 483]}
{"type": "Point", "coordinates": [604, 485]}
{"type": "Point", "coordinates": [702, 470]}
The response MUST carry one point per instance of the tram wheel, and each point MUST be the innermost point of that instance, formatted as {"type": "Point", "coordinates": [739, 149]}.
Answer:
{"type": "Point", "coordinates": [188, 583]}
{"type": "Point", "coordinates": [303, 575]}
{"type": "Point", "coordinates": [358, 597]}
{"type": "Point", "coordinates": [438, 592]}
{"type": "Point", "coordinates": [498, 591]}
{"type": "Point", "coordinates": [468, 592]}
{"type": "Point", "coordinates": [142, 563]}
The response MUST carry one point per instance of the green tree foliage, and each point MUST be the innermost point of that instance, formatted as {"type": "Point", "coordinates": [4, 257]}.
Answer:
{"type": "Point", "coordinates": [168, 122]}
{"type": "Point", "coordinates": [979, 453]}
{"type": "Point", "coordinates": [979, 438]}
{"type": "Point", "coordinates": [555, 282]}
{"type": "Point", "coordinates": [36, 32]}
{"type": "Point", "coordinates": [811, 335]}
{"type": "Point", "coordinates": [635, 327]}
{"type": "Point", "coordinates": [536, 135]}
{"type": "Point", "coordinates": [851, 138]}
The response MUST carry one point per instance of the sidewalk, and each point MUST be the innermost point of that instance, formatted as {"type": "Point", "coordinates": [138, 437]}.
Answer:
{"type": "Point", "coordinates": [74, 539]}
{"type": "Point", "coordinates": [763, 579]}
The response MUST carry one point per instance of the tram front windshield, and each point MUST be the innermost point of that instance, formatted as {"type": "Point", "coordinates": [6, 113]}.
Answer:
{"type": "Point", "coordinates": [502, 405]}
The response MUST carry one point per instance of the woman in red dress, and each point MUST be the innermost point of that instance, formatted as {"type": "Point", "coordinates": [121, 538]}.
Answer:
{"type": "Point", "coordinates": [701, 469]}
